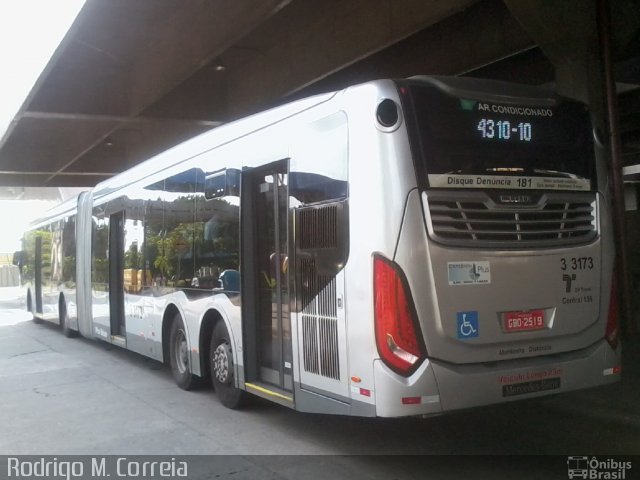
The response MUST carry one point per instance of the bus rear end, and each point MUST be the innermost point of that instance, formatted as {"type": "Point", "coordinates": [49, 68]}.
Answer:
{"type": "Point", "coordinates": [500, 286]}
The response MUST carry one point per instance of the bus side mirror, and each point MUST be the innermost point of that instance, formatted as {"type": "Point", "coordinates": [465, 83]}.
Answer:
{"type": "Point", "coordinates": [222, 183]}
{"type": "Point", "coordinates": [18, 259]}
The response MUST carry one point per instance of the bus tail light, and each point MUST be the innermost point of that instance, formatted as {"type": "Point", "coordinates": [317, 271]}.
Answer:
{"type": "Point", "coordinates": [613, 331]}
{"type": "Point", "coordinates": [396, 325]}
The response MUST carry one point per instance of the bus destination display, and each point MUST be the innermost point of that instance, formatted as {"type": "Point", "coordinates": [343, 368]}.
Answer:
{"type": "Point", "coordinates": [504, 130]}
{"type": "Point", "coordinates": [470, 143]}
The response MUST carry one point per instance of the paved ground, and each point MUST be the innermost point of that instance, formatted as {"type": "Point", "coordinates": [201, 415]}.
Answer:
{"type": "Point", "coordinates": [77, 396]}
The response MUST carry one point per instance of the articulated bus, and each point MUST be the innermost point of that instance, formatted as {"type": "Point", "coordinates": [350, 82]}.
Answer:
{"type": "Point", "coordinates": [397, 248]}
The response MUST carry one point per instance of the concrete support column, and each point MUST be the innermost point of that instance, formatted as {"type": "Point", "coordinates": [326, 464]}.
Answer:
{"type": "Point", "coordinates": [576, 37]}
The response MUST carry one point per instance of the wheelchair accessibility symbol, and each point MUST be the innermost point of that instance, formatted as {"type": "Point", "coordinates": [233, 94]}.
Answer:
{"type": "Point", "coordinates": [467, 324]}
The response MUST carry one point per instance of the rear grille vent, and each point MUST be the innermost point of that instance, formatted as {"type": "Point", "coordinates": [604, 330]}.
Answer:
{"type": "Point", "coordinates": [474, 219]}
{"type": "Point", "coordinates": [318, 227]}
{"type": "Point", "coordinates": [319, 324]}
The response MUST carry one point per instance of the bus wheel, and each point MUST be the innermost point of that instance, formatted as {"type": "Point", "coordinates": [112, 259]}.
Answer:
{"type": "Point", "coordinates": [179, 356]}
{"type": "Point", "coordinates": [64, 325]}
{"type": "Point", "coordinates": [222, 369]}
{"type": "Point", "coordinates": [29, 303]}
{"type": "Point", "coordinates": [31, 310]}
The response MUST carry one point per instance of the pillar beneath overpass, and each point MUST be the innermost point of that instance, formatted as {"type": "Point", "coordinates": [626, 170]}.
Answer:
{"type": "Point", "coordinates": [577, 38]}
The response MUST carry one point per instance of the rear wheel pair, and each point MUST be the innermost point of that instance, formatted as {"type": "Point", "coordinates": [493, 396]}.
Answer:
{"type": "Point", "coordinates": [64, 324]}
{"type": "Point", "coordinates": [220, 363]}
{"type": "Point", "coordinates": [179, 356]}
{"type": "Point", "coordinates": [222, 368]}
{"type": "Point", "coordinates": [31, 310]}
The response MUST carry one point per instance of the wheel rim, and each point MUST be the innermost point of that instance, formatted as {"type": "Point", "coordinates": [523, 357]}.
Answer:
{"type": "Point", "coordinates": [222, 363]}
{"type": "Point", "coordinates": [181, 351]}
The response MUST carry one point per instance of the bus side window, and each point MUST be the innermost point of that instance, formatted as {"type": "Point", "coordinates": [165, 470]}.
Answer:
{"type": "Point", "coordinates": [216, 232]}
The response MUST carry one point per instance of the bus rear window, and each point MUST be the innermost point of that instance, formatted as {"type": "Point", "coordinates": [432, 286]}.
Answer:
{"type": "Point", "coordinates": [468, 143]}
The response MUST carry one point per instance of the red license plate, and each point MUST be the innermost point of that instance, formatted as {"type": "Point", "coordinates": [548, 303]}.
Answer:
{"type": "Point", "coordinates": [523, 321]}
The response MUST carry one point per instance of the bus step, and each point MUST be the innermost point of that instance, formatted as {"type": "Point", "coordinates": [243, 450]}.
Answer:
{"type": "Point", "coordinates": [119, 340]}
{"type": "Point", "coordinates": [274, 394]}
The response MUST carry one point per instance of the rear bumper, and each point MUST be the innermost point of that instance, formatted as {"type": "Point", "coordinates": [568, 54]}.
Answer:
{"type": "Point", "coordinates": [442, 386]}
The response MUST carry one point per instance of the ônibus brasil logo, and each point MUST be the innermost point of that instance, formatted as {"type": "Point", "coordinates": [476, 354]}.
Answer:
{"type": "Point", "coordinates": [591, 468]}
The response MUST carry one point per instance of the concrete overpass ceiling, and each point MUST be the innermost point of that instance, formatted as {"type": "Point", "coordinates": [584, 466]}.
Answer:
{"type": "Point", "coordinates": [483, 38]}
{"type": "Point", "coordinates": [133, 78]}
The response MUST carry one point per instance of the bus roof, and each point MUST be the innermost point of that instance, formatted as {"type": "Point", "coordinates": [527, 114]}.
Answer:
{"type": "Point", "coordinates": [188, 149]}
{"type": "Point", "coordinates": [206, 141]}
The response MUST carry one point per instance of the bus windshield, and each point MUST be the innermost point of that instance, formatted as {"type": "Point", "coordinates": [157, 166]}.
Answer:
{"type": "Point", "coordinates": [465, 143]}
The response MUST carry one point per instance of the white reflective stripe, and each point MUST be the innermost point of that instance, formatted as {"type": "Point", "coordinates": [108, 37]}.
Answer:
{"type": "Point", "coordinates": [431, 399]}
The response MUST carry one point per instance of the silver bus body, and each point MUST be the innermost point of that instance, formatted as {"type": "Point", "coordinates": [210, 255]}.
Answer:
{"type": "Point", "coordinates": [330, 207]}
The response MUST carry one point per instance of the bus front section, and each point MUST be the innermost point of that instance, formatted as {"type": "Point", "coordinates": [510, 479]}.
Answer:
{"type": "Point", "coordinates": [501, 284]}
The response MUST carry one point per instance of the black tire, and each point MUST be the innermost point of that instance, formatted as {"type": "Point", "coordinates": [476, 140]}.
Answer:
{"type": "Point", "coordinates": [222, 368]}
{"type": "Point", "coordinates": [64, 325]}
{"type": "Point", "coordinates": [31, 310]}
{"type": "Point", "coordinates": [29, 303]}
{"type": "Point", "coordinates": [180, 357]}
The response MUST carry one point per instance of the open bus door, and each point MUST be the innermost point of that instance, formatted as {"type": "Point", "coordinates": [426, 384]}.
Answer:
{"type": "Point", "coordinates": [265, 279]}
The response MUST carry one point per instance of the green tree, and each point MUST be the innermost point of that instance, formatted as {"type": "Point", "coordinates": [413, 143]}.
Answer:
{"type": "Point", "coordinates": [29, 247]}
{"type": "Point", "coordinates": [132, 257]}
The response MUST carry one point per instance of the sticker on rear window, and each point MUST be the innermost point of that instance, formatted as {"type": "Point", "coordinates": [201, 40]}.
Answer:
{"type": "Point", "coordinates": [469, 273]}
{"type": "Point", "coordinates": [503, 182]}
